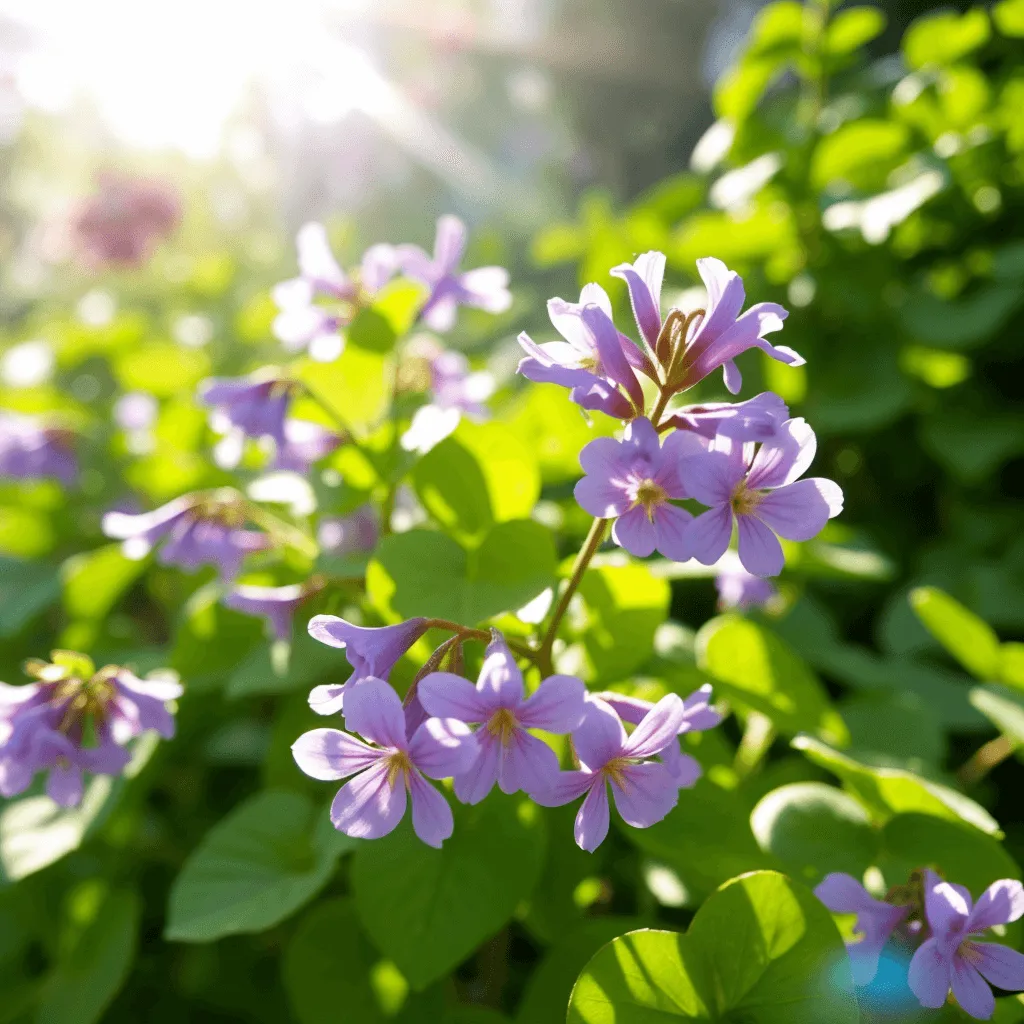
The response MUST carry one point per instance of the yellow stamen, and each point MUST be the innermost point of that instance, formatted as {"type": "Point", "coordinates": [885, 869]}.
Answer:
{"type": "Point", "coordinates": [615, 769]}
{"type": "Point", "coordinates": [503, 724]}
{"type": "Point", "coordinates": [398, 764]}
{"type": "Point", "coordinates": [650, 495]}
{"type": "Point", "coordinates": [745, 501]}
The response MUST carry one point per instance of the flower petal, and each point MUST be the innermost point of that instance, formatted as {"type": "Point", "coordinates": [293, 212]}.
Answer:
{"type": "Point", "coordinates": [500, 683]}
{"type": "Point", "coordinates": [971, 990]}
{"type": "Point", "coordinates": [1001, 903]}
{"type": "Point", "coordinates": [329, 754]}
{"type": "Point", "coordinates": [368, 806]}
{"type": "Point", "coordinates": [946, 908]}
{"type": "Point", "coordinates": [602, 497]}
{"type": "Point", "coordinates": [760, 550]}
{"type": "Point", "coordinates": [449, 242]}
{"type": "Point", "coordinates": [64, 785]}
{"type": "Point", "coordinates": [928, 976]}
{"type": "Point", "coordinates": [671, 531]}
{"type": "Point", "coordinates": [328, 699]}
{"type": "Point", "coordinates": [600, 736]}
{"type": "Point", "coordinates": [800, 511]}
{"type": "Point", "coordinates": [316, 261]}
{"type": "Point", "coordinates": [999, 965]}
{"type": "Point", "coordinates": [659, 728]}
{"type": "Point", "coordinates": [646, 794]}
{"type": "Point", "coordinates": [565, 787]}
{"type": "Point", "coordinates": [446, 695]}
{"type": "Point", "coordinates": [685, 770]}
{"type": "Point", "coordinates": [527, 764]}
{"type": "Point", "coordinates": [557, 705]}
{"type": "Point", "coordinates": [374, 710]}
{"type": "Point", "coordinates": [593, 818]}
{"type": "Point", "coordinates": [709, 534]}
{"type": "Point", "coordinates": [635, 532]}
{"type": "Point", "coordinates": [711, 477]}
{"type": "Point", "coordinates": [479, 778]}
{"type": "Point", "coordinates": [432, 818]}
{"type": "Point", "coordinates": [442, 748]}
{"type": "Point", "coordinates": [613, 359]}
{"type": "Point", "coordinates": [785, 457]}
{"type": "Point", "coordinates": [644, 279]}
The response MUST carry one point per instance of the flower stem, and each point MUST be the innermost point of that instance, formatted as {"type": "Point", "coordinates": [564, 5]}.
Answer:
{"type": "Point", "coordinates": [468, 633]}
{"type": "Point", "coordinates": [587, 552]}
{"type": "Point", "coordinates": [984, 759]}
{"type": "Point", "coordinates": [290, 535]}
{"type": "Point", "coordinates": [659, 408]}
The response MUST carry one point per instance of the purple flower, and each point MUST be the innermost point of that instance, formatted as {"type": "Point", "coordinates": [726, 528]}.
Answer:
{"type": "Point", "coordinates": [645, 790]}
{"type": "Point", "coordinates": [757, 419]}
{"type": "Point", "coordinates": [306, 323]}
{"type": "Point", "coordinates": [644, 279]}
{"type": "Point", "coordinates": [506, 752]}
{"type": "Point", "coordinates": [372, 803]}
{"type": "Point", "coordinates": [876, 921]}
{"type": "Point", "coordinates": [371, 651]}
{"type": "Point", "coordinates": [485, 288]}
{"type": "Point", "coordinates": [738, 589]}
{"type": "Point", "coordinates": [593, 361]}
{"type": "Point", "coordinates": [352, 534]}
{"type": "Point", "coordinates": [255, 406]}
{"type": "Point", "coordinates": [276, 604]}
{"type": "Point", "coordinates": [759, 490]}
{"type": "Point", "coordinates": [194, 533]}
{"type": "Point", "coordinates": [699, 716]}
{"type": "Point", "coordinates": [74, 721]}
{"type": "Point", "coordinates": [634, 481]}
{"type": "Point", "coordinates": [30, 450]}
{"type": "Point", "coordinates": [723, 333]}
{"type": "Point", "coordinates": [953, 958]}
{"type": "Point", "coordinates": [304, 444]}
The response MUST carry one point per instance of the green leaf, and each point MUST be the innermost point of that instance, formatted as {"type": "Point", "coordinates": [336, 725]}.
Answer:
{"type": "Point", "coordinates": [513, 564]}
{"type": "Point", "coordinates": [86, 980]}
{"type": "Point", "coordinates": [371, 331]}
{"type": "Point", "coordinates": [759, 671]}
{"type": "Point", "coordinates": [161, 368]}
{"type": "Point", "coordinates": [550, 985]}
{"type": "Point", "coordinates": [888, 791]}
{"type": "Point", "coordinates": [944, 38]}
{"type": "Point", "coordinates": [1003, 708]}
{"type": "Point", "coordinates": [428, 909]}
{"type": "Point", "coordinates": [860, 152]}
{"type": "Point", "coordinates": [1011, 664]}
{"type": "Point", "coordinates": [851, 28]}
{"type": "Point", "coordinates": [26, 590]}
{"type": "Point", "coordinates": [963, 324]}
{"type": "Point", "coordinates": [705, 838]}
{"type": "Point", "coordinates": [251, 870]}
{"type": "Point", "coordinates": [355, 387]}
{"type": "Point", "coordinates": [327, 965]}
{"type": "Point", "coordinates": [762, 950]}
{"type": "Point", "coordinates": [1009, 18]}
{"type": "Point", "coordinates": [814, 829]}
{"type": "Point", "coordinates": [309, 661]}
{"type": "Point", "coordinates": [971, 448]}
{"type": "Point", "coordinates": [94, 582]}
{"type": "Point", "coordinates": [625, 606]}
{"type": "Point", "coordinates": [968, 638]}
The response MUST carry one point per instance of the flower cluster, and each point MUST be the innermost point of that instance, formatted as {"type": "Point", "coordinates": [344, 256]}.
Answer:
{"type": "Point", "coordinates": [75, 719]}
{"type": "Point", "coordinates": [480, 736]}
{"type": "Point", "coordinates": [742, 461]}
{"type": "Point", "coordinates": [31, 449]}
{"type": "Point", "coordinates": [945, 928]}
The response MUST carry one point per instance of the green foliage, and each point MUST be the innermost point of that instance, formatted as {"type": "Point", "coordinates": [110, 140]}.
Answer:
{"type": "Point", "coordinates": [970, 640]}
{"type": "Point", "coordinates": [761, 948]}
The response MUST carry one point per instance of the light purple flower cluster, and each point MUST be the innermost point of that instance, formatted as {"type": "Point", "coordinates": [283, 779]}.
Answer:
{"type": "Point", "coordinates": [314, 307]}
{"type": "Point", "coordinates": [486, 732]}
{"type": "Point", "coordinates": [193, 531]}
{"type": "Point", "coordinates": [948, 929]}
{"type": "Point", "coordinates": [740, 460]}
{"type": "Point", "coordinates": [32, 450]}
{"type": "Point", "coordinates": [75, 720]}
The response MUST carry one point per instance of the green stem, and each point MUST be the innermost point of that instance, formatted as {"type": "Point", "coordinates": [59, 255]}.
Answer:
{"type": "Point", "coordinates": [984, 759]}
{"type": "Point", "coordinates": [757, 739]}
{"type": "Point", "coordinates": [587, 552]}
{"type": "Point", "coordinates": [288, 534]}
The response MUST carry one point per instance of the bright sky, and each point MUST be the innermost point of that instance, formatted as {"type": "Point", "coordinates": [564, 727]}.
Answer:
{"type": "Point", "coordinates": [170, 73]}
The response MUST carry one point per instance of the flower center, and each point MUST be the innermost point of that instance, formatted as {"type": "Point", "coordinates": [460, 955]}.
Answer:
{"type": "Point", "coordinates": [83, 699]}
{"type": "Point", "coordinates": [650, 494]}
{"type": "Point", "coordinates": [615, 770]}
{"type": "Point", "coordinates": [503, 724]}
{"type": "Point", "coordinates": [399, 764]}
{"type": "Point", "coordinates": [744, 501]}
{"type": "Point", "coordinates": [970, 952]}
{"type": "Point", "coordinates": [590, 362]}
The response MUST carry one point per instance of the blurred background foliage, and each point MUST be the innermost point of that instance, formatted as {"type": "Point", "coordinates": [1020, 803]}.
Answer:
{"type": "Point", "coordinates": [863, 165]}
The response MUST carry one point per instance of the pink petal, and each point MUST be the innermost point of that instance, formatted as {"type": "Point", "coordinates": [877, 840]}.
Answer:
{"type": "Point", "coordinates": [374, 710]}
{"type": "Point", "coordinates": [443, 748]}
{"type": "Point", "coordinates": [447, 695]}
{"type": "Point", "coordinates": [647, 793]}
{"type": "Point", "coordinates": [601, 496]}
{"type": "Point", "coordinates": [432, 818]}
{"type": "Point", "coordinates": [449, 242]}
{"type": "Point", "coordinates": [785, 457]}
{"type": "Point", "coordinates": [479, 778]}
{"type": "Point", "coordinates": [671, 531]}
{"type": "Point", "coordinates": [600, 736]}
{"type": "Point", "coordinates": [368, 806]}
{"type": "Point", "coordinates": [316, 261]}
{"type": "Point", "coordinates": [711, 476]}
{"type": "Point", "coordinates": [709, 534]}
{"type": "Point", "coordinates": [635, 532]}
{"type": "Point", "coordinates": [760, 550]}
{"type": "Point", "coordinates": [329, 754]}
{"type": "Point", "coordinates": [527, 764]}
{"type": "Point", "coordinates": [659, 728]}
{"type": "Point", "coordinates": [500, 683]}
{"type": "Point", "coordinates": [328, 699]}
{"type": "Point", "coordinates": [800, 511]}
{"type": "Point", "coordinates": [566, 787]}
{"type": "Point", "coordinates": [593, 818]}
{"type": "Point", "coordinates": [557, 705]}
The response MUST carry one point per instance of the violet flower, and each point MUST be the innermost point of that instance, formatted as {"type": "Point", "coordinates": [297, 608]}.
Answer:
{"type": "Point", "coordinates": [644, 279]}
{"type": "Point", "coordinates": [699, 716]}
{"type": "Point", "coordinates": [738, 589]}
{"type": "Point", "coordinates": [634, 481]}
{"type": "Point", "coordinates": [354, 534]}
{"type": "Point", "coordinates": [723, 333]}
{"type": "Point", "coordinates": [45, 726]}
{"type": "Point", "coordinates": [257, 406]}
{"type": "Point", "coordinates": [757, 419]}
{"type": "Point", "coordinates": [372, 651]}
{"type": "Point", "coordinates": [484, 288]}
{"type": "Point", "coordinates": [373, 802]}
{"type": "Point", "coordinates": [954, 958]}
{"type": "Point", "coordinates": [304, 444]}
{"type": "Point", "coordinates": [764, 495]}
{"type": "Point", "coordinates": [506, 752]}
{"type": "Point", "coordinates": [193, 533]}
{"type": "Point", "coordinates": [316, 305]}
{"type": "Point", "coordinates": [593, 361]}
{"type": "Point", "coordinates": [277, 605]}
{"type": "Point", "coordinates": [31, 450]}
{"type": "Point", "coordinates": [876, 921]}
{"type": "Point", "coordinates": [644, 789]}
